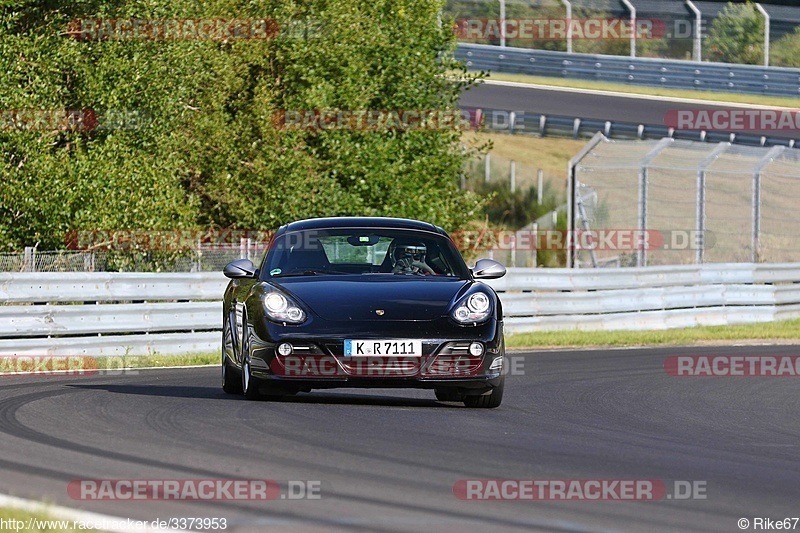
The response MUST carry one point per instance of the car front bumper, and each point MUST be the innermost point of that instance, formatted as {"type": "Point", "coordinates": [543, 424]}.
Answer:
{"type": "Point", "coordinates": [317, 360]}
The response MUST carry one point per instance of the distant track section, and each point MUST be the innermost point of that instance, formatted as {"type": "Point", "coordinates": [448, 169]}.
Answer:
{"type": "Point", "coordinates": [625, 113]}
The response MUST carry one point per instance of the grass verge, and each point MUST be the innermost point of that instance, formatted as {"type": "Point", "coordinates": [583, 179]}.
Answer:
{"type": "Point", "coordinates": [709, 96]}
{"type": "Point", "coordinates": [771, 331]}
{"type": "Point", "coordinates": [551, 154]}
{"type": "Point", "coordinates": [779, 332]}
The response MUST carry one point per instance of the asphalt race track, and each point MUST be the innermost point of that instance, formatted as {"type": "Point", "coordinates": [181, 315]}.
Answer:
{"type": "Point", "coordinates": [387, 460]}
{"type": "Point", "coordinates": [613, 107]}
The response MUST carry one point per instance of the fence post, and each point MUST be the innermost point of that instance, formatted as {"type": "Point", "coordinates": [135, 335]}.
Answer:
{"type": "Point", "coordinates": [539, 187]}
{"type": "Point", "coordinates": [766, 33]}
{"type": "Point", "coordinates": [29, 263]}
{"type": "Point", "coordinates": [774, 152]}
{"type": "Point", "coordinates": [641, 254]}
{"type": "Point", "coordinates": [572, 189]}
{"type": "Point", "coordinates": [503, 23]}
{"type": "Point", "coordinates": [701, 199]}
{"type": "Point", "coordinates": [487, 168]}
{"type": "Point", "coordinates": [513, 176]}
{"type": "Point", "coordinates": [697, 51]}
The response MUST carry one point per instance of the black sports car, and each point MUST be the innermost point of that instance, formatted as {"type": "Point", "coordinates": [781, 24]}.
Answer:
{"type": "Point", "coordinates": [363, 302]}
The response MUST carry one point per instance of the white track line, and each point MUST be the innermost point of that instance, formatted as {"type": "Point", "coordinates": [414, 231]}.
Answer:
{"type": "Point", "coordinates": [55, 512]}
{"type": "Point", "coordinates": [637, 96]}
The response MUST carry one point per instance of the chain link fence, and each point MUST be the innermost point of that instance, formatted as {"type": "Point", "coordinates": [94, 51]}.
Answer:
{"type": "Point", "coordinates": [203, 259]}
{"type": "Point", "coordinates": [526, 198]}
{"type": "Point", "coordinates": [682, 202]}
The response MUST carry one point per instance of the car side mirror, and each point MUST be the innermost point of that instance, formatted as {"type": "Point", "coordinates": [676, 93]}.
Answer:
{"type": "Point", "coordinates": [241, 268]}
{"type": "Point", "coordinates": [488, 269]}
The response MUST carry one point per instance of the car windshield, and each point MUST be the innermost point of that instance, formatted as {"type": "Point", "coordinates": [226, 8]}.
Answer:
{"type": "Point", "coordinates": [350, 251]}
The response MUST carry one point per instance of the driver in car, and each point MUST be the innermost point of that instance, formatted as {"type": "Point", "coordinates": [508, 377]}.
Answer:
{"type": "Point", "coordinates": [409, 258]}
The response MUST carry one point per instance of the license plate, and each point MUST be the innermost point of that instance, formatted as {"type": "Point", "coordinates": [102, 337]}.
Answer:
{"type": "Point", "coordinates": [358, 348]}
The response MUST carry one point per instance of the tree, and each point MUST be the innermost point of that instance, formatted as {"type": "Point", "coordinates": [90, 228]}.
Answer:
{"type": "Point", "coordinates": [205, 149]}
{"type": "Point", "coordinates": [736, 36]}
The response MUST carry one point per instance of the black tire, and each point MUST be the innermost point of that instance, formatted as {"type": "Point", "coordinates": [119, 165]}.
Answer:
{"type": "Point", "coordinates": [249, 387]}
{"type": "Point", "coordinates": [448, 395]}
{"type": "Point", "coordinates": [231, 383]}
{"type": "Point", "coordinates": [249, 384]}
{"type": "Point", "coordinates": [487, 401]}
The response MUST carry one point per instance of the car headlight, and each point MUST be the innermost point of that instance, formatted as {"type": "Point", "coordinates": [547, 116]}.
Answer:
{"type": "Point", "coordinates": [474, 308]}
{"type": "Point", "coordinates": [281, 308]}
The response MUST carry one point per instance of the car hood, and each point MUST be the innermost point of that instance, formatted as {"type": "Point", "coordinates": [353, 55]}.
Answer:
{"type": "Point", "coordinates": [362, 297]}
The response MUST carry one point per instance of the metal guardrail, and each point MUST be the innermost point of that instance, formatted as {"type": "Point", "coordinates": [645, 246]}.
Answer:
{"type": "Point", "coordinates": [533, 300]}
{"type": "Point", "coordinates": [669, 73]}
{"type": "Point", "coordinates": [648, 297]}
{"type": "Point", "coordinates": [110, 314]}
{"type": "Point", "coordinates": [517, 122]}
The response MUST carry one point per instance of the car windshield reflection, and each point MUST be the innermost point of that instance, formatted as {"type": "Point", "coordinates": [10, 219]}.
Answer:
{"type": "Point", "coordinates": [354, 251]}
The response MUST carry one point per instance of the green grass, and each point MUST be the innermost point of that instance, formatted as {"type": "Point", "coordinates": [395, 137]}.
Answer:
{"type": "Point", "coordinates": [771, 331]}
{"type": "Point", "coordinates": [38, 521]}
{"type": "Point", "coordinates": [651, 91]}
{"type": "Point", "coordinates": [782, 331]}
{"type": "Point", "coordinates": [160, 361]}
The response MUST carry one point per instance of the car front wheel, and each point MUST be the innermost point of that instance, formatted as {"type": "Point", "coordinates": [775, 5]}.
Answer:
{"type": "Point", "coordinates": [230, 381]}
{"type": "Point", "coordinates": [487, 401]}
{"type": "Point", "coordinates": [448, 395]}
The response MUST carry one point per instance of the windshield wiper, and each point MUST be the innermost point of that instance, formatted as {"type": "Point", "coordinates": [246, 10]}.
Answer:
{"type": "Point", "coordinates": [311, 272]}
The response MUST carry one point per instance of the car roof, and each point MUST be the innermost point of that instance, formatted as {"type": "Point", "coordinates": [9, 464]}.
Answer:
{"type": "Point", "coordinates": [361, 222]}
